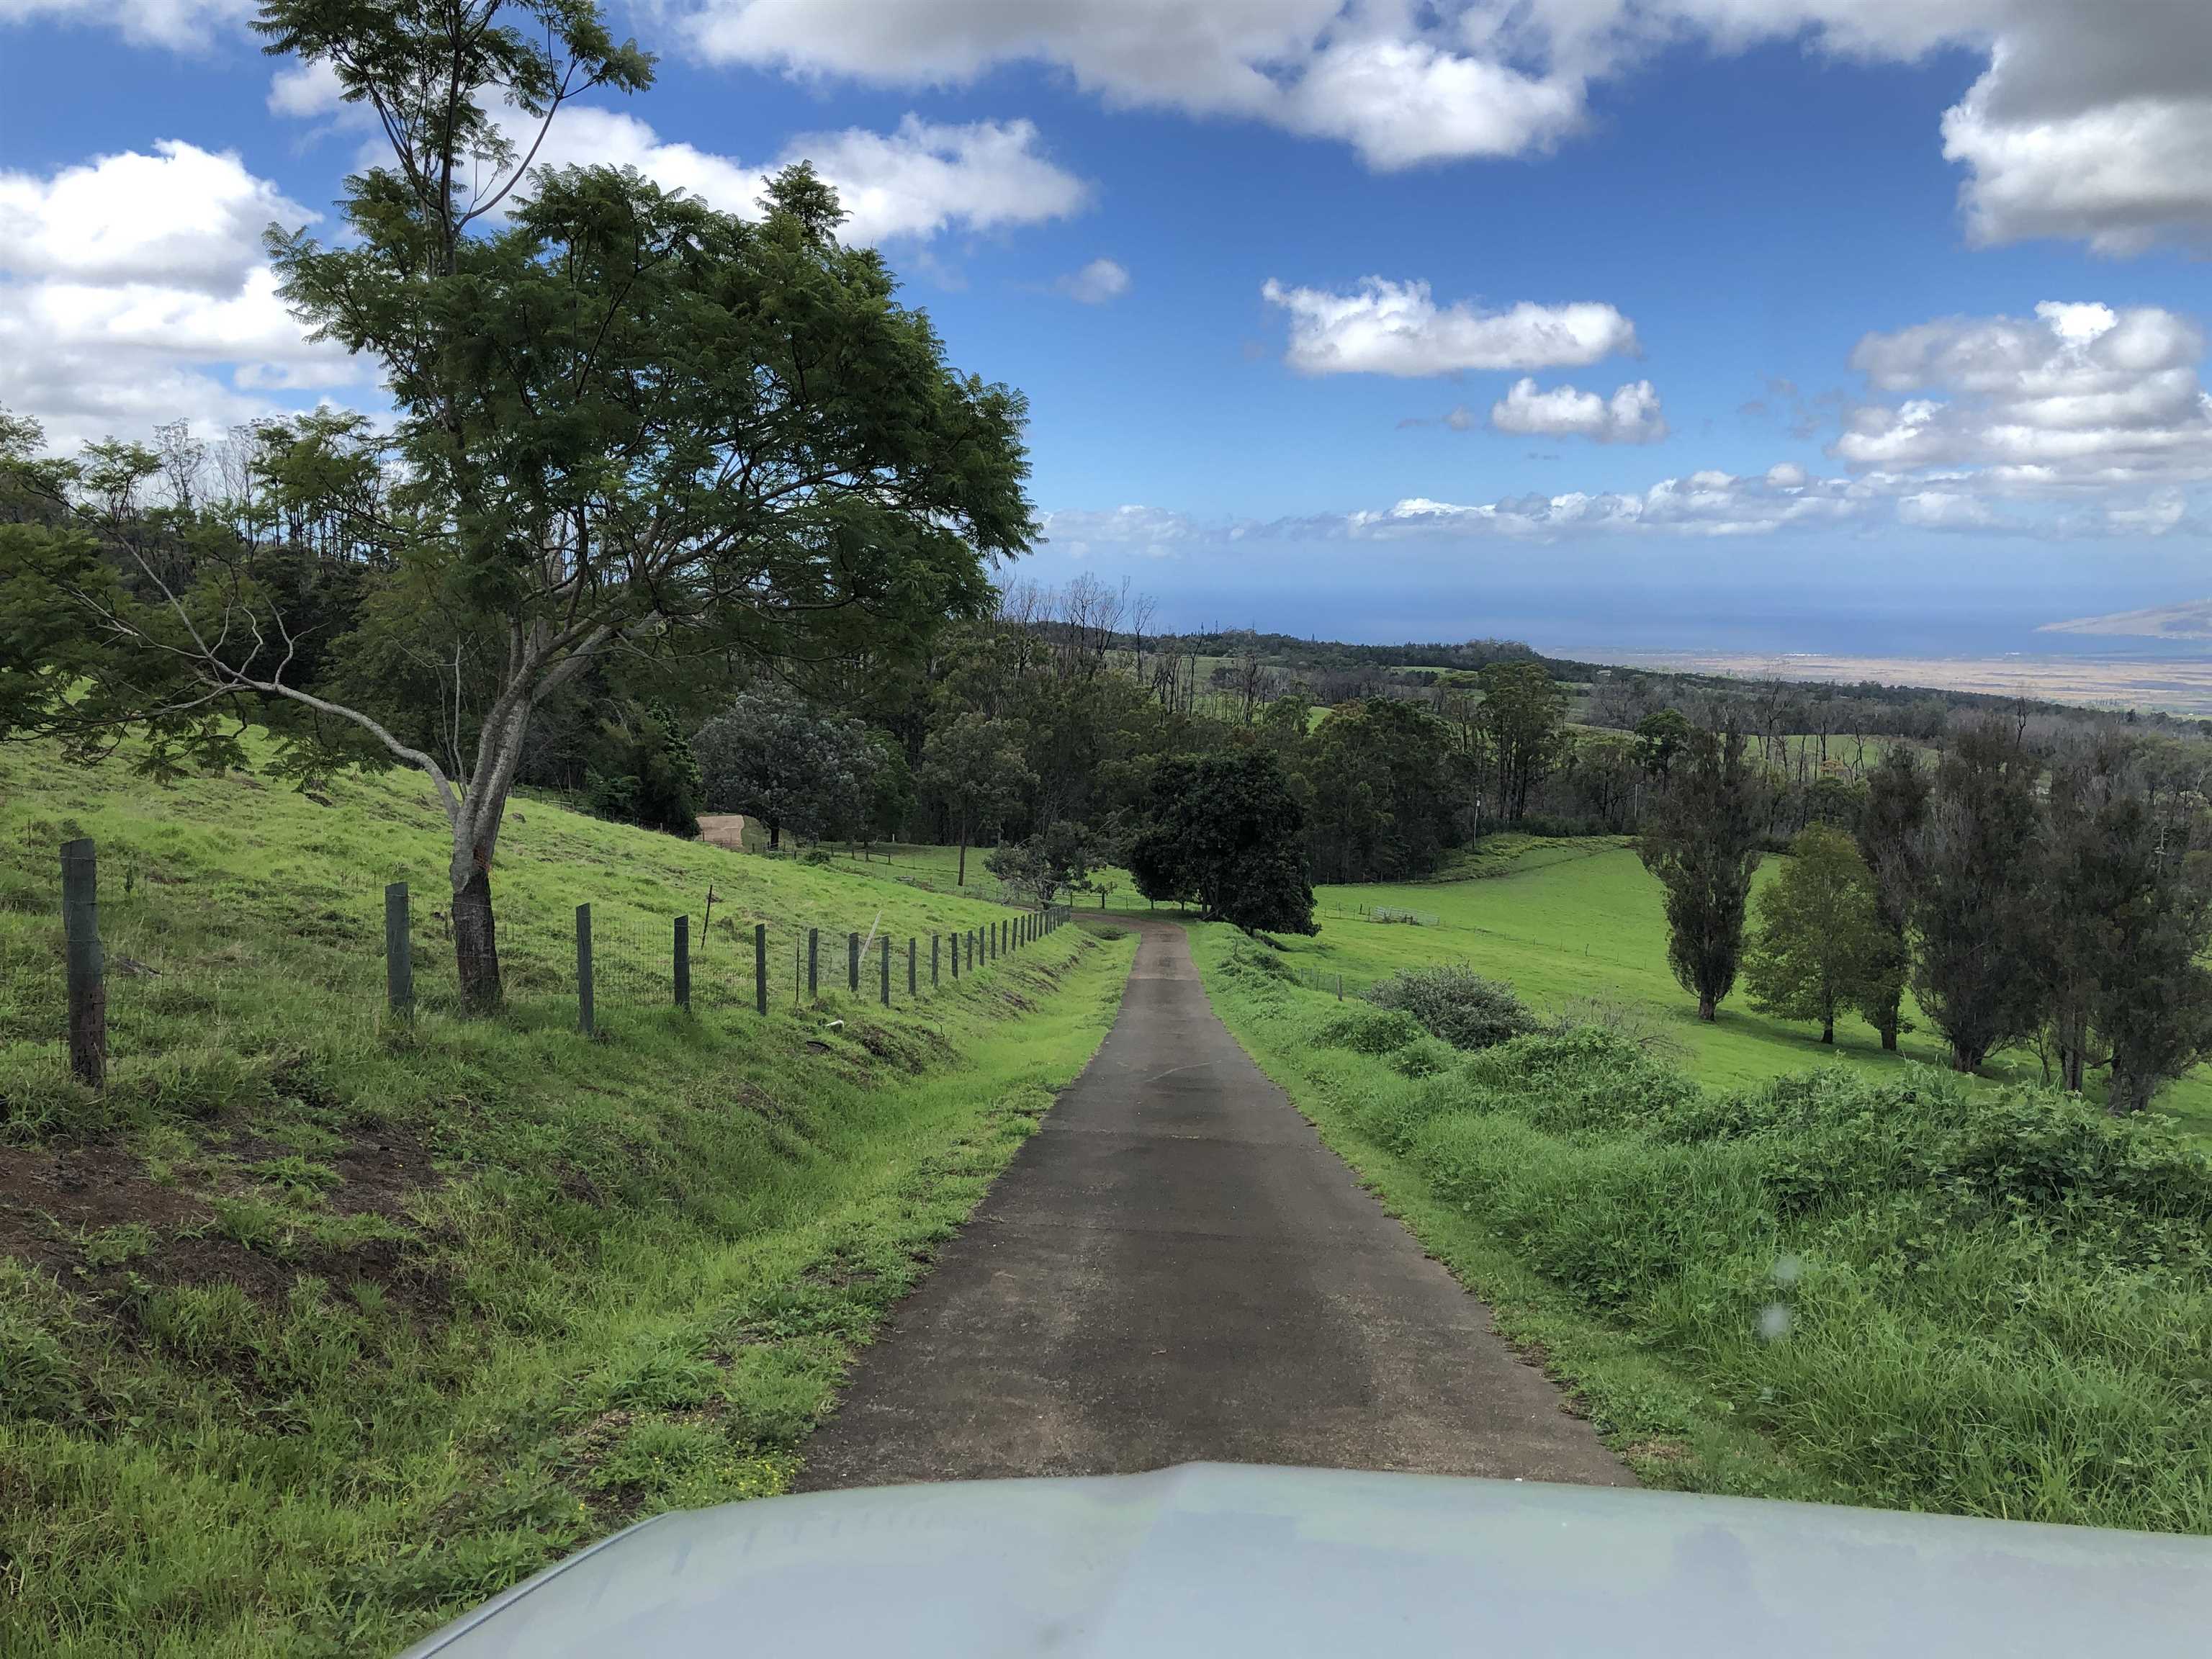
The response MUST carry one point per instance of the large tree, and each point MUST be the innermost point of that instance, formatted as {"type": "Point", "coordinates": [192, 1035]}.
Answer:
{"type": "Point", "coordinates": [625, 421]}
{"type": "Point", "coordinates": [1818, 937]}
{"type": "Point", "coordinates": [1225, 831]}
{"type": "Point", "coordinates": [1520, 729]}
{"type": "Point", "coordinates": [776, 757]}
{"type": "Point", "coordinates": [1701, 839]}
{"type": "Point", "coordinates": [975, 767]}
{"type": "Point", "coordinates": [1974, 906]}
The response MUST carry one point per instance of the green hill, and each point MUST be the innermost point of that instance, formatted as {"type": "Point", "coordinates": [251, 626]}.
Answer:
{"type": "Point", "coordinates": [316, 1326]}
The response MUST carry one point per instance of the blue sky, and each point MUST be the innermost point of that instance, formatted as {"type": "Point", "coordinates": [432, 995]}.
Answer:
{"type": "Point", "coordinates": [1825, 325]}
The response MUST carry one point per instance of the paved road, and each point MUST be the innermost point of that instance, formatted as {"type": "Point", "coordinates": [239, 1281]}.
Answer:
{"type": "Point", "coordinates": [1173, 1268]}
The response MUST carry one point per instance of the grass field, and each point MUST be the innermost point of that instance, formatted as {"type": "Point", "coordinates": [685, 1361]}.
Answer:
{"type": "Point", "coordinates": [937, 869]}
{"type": "Point", "coordinates": [1565, 922]}
{"type": "Point", "coordinates": [315, 1330]}
{"type": "Point", "coordinates": [1856, 1285]}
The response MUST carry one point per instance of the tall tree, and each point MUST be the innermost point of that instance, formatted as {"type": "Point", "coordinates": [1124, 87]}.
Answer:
{"type": "Point", "coordinates": [1974, 903]}
{"type": "Point", "coordinates": [1896, 803]}
{"type": "Point", "coordinates": [1817, 937]}
{"type": "Point", "coordinates": [2124, 919]}
{"type": "Point", "coordinates": [1701, 839]}
{"type": "Point", "coordinates": [774, 757]}
{"type": "Point", "coordinates": [1522, 720]}
{"type": "Point", "coordinates": [1225, 831]}
{"type": "Point", "coordinates": [625, 421]}
{"type": "Point", "coordinates": [974, 766]}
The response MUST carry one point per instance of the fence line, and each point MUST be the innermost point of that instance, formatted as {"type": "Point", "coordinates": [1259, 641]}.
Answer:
{"type": "Point", "coordinates": [601, 964]}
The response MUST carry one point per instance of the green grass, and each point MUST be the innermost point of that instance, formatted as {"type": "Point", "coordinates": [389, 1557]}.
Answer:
{"type": "Point", "coordinates": [315, 1331]}
{"type": "Point", "coordinates": [1566, 921]}
{"type": "Point", "coordinates": [1863, 1286]}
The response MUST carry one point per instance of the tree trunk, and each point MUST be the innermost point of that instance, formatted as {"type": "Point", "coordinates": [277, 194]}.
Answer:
{"type": "Point", "coordinates": [775, 835]}
{"type": "Point", "coordinates": [1707, 1008]}
{"type": "Point", "coordinates": [475, 946]}
{"type": "Point", "coordinates": [1889, 1037]}
{"type": "Point", "coordinates": [1829, 1030]}
{"type": "Point", "coordinates": [963, 880]}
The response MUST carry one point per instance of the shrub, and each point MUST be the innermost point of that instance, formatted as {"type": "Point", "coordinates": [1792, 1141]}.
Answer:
{"type": "Point", "coordinates": [1463, 1008]}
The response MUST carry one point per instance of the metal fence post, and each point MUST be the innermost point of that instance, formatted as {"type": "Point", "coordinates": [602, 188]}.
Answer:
{"type": "Point", "coordinates": [684, 963]}
{"type": "Point", "coordinates": [813, 964]}
{"type": "Point", "coordinates": [910, 987]}
{"type": "Point", "coordinates": [87, 965]}
{"type": "Point", "coordinates": [760, 967]}
{"type": "Point", "coordinates": [584, 970]}
{"type": "Point", "coordinates": [399, 953]}
{"type": "Point", "coordinates": [886, 973]}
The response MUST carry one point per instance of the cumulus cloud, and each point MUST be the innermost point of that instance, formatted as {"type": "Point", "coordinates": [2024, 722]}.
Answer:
{"type": "Point", "coordinates": [918, 180]}
{"type": "Point", "coordinates": [1631, 416]}
{"type": "Point", "coordinates": [182, 25]}
{"type": "Point", "coordinates": [1384, 327]}
{"type": "Point", "coordinates": [133, 290]}
{"type": "Point", "coordinates": [2089, 122]}
{"type": "Point", "coordinates": [1096, 283]}
{"type": "Point", "coordinates": [2078, 394]}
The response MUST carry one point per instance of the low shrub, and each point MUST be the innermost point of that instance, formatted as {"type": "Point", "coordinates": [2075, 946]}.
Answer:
{"type": "Point", "coordinates": [1460, 1006]}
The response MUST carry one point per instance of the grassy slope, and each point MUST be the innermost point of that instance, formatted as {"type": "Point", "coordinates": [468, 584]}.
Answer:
{"type": "Point", "coordinates": [312, 1334]}
{"type": "Point", "coordinates": [1990, 1306]}
{"type": "Point", "coordinates": [938, 869]}
{"type": "Point", "coordinates": [1565, 921]}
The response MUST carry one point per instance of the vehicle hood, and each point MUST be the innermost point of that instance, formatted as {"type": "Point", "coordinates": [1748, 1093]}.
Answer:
{"type": "Point", "coordinates": [1219, 1558]}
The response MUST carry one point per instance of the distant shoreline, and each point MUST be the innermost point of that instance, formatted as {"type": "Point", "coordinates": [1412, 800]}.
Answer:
{"type": "Point", "coordinates": [2180, 685]}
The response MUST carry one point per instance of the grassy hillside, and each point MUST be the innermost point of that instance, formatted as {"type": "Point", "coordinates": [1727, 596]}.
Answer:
{"type": "Point", "coordinates": [1875, 1287]}
{"type": "Point", "coordinates": [315, 1330]}
{"type": "Point", "coordinates": [1567, 922]}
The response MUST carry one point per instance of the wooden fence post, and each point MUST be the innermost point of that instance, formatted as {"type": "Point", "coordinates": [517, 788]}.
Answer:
{"type": "Point", "coordinates": [933, 961]}
{"type": "Point", "coordinates": [399, 953]}
{"type": "Point", "coordinates": [813, 964]}
{"type": "Point", "coordinates": [952, 940]}
{"type": "Point", "coordinates": [760, 967]}
{"type": "Point", "coordinates": [684, 963]}
{"type": "Point", "coordinates": [910, 947]}
{"type": "Point", "coordinates": [853, 962]}
{"type": "Point", "coordinates": [584, 970]}
{"type": "Point", "coordinates": [886, 973]}
{"type": "Point", "coordinates": [87, 966]}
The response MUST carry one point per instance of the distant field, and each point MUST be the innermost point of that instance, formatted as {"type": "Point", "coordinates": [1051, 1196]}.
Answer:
{"type": "Point", "coordinates": [2178, 685]}
{"type": "Point", "coordinates": [1569, 919]}
{"type": "Point", "coordinates": [937, 869]}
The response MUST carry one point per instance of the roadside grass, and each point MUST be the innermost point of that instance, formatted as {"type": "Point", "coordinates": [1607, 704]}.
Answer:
{"type": "Point", "coordinates": [1883, 1288]}
{"type": "Point", "coordinates": [315, 1331]}
{"type": "Point", "coordinates": [1567, 922]}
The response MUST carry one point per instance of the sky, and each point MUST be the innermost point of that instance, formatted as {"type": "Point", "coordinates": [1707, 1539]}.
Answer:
{"type": "Point", "coordinates": [1864, 325]}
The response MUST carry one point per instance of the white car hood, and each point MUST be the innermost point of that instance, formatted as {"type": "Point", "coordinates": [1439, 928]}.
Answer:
{"type": "Point", "coordinates": [1212, 1559]}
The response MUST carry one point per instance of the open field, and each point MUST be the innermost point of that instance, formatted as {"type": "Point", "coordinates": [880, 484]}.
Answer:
{"type": "Point", "coordinates": [1858, 1284]}
{"type": "Point", "coordinates": [2180, 685]}
{"type": "Point", "coordinates": [315, 1331]}
{"type": "Point", "coordinates": [937, 869]}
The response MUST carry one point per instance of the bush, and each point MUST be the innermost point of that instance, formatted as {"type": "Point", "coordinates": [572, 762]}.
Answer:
{"type": "Point", "coordinates": [1463, 1008]}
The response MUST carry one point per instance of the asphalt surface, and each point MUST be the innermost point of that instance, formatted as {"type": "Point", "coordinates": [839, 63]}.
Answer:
{"type": "Point", "coordinates": [1176, 1269]}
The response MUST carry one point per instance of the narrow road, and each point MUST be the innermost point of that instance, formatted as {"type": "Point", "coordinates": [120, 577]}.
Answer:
{"type": "Point", "coordinates": [1174, 1267]}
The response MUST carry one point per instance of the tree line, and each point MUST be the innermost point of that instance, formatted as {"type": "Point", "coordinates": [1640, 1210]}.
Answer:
{"type": "Point", "coordinates": [2051, 895]}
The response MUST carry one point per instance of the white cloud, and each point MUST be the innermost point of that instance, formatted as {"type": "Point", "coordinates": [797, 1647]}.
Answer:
{"type": "Point", "coordinates": [182, 25]}
{"type": "Point", "coordinates": [1395, 328]}
{"type": "Point", "coordinates": [2090, 121]}
{"type": "Point", "coordinates": [923, 179]}
{"type": "Point", "coordinates": [1145, 532]}
{"type": "Point", "coordinates": [306, 90]}
{"type": "Point", "coordinates": [1096, 283]}
{"type": "Point", "coordinates": [1631, 416]}
{"type": "Point", "coordinates": [133, 291]}
{"type": "Point", "coordinates": [2077, 395]}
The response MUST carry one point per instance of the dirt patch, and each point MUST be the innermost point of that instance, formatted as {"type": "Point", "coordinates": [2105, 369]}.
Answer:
{"type": "Point", "coordinates": [53, 1203]}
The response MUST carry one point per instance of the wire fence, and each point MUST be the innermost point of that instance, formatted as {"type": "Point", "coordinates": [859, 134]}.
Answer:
{"type": "Point", "coordinates": [143, 966]}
